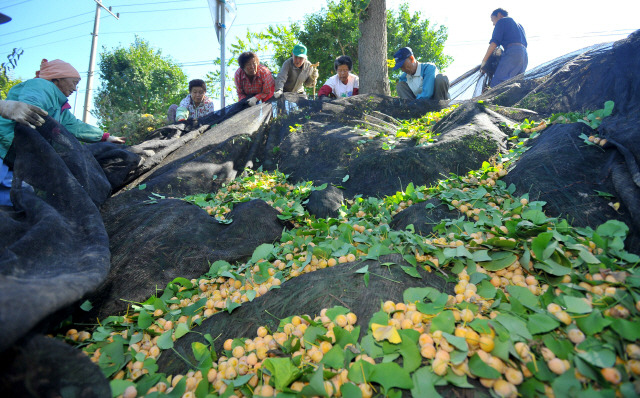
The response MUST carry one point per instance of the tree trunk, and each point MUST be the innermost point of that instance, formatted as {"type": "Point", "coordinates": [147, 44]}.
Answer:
{"type": "Point", "coordinates": [372, 49]}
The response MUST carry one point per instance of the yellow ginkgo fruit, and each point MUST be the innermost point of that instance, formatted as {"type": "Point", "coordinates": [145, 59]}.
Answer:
{"type": "Point", "coordinates": [386, 332]}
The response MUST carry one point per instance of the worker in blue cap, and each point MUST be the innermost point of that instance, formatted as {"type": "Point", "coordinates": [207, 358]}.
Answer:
{"type": "Point", "coordinates": [420, 80]}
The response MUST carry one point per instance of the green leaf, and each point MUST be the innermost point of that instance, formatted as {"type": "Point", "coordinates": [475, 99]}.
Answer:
{"type": "Point", "coordinates": [86, 306]}
{"type": "Point", "coordinates": [181, 330]}
{"type": "Point", "coordinates": [480, 369]}
{"type": "Point", "coordinates": [500, 260]}
{"type": "Point", "coordinates": [540, 243]}
{"type": "Point", "coordinates": [444, 321]}
{"type": "Point", "coordinates": [600, 357]}
{"type": "Point", "coordinates": [411, 271]}
{"type": "Point", "coordinates": [262, 252]}
{"type": "Point", "coordinates": [524, 295]}
{"type": "Point", "coordinates": [481, 255]}
{"type": "Point", "coordinates": [390, 375]}
{"type": "Point", "coordinates": [566, 385]}
{"type": "Point", "coordinates": [593, 324]}
{"type": "Point", "coordinates": [539, 323]}
{"type": "Point", "coordinates": [627, 329]}
{"type": "Point", "coordinates": [411, 358]}
{"type": "Point", "coordinates": [577, 305]}
{"type": "Point", "coordinates": [316, 384]}
{"type": "Point", "coordinates": [118, 386]}
{"type": "Point", "coordinates": [417, 294]}
{"type": "Point", "coordinates": [144, 320]}
{"type": "Point", "coordinates": [345, 178]}
{"type": "Point", "coordinates": [251, 294]}
{"type": "Point", "coordinates": [360, 372]}
{"type": "Point", "coordinates": [424, 381]}
{"type": "Point", "coordinates": [535, 216]}
{"type": "Point", "coordinates": [164, 341]}
{"type": "Point", "coordinates": [282, 370]}
{"type": "Point", "coordinates": [332, 313]}
{"type": "Point", "coordinates": [334, 358]}
{"type": "Point", "coordinates": [458, 342]}
{"type": "Point", "coordinates": [350, 390]}
{"type": "Point", "coordinates": [514, 325]}
{"type": "Point", "coordinates": [486, 290]}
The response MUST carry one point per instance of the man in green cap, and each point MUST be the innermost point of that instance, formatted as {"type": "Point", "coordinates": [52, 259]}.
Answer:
{"type": "Point", "coordinates": [296, 72]}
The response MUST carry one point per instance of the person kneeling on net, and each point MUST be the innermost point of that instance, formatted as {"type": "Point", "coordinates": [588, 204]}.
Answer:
{"type": "Point", "coordinates": [195, 105]}
{"type": "Point", "coordinates": [343, 83]}
{"type": "Point", "coordinates": [54, 83]}
{"type": "Point", "coordinates": [420, 80]}
{"type": "Point", "coordinates": [296, 73]}
{"type": "Point", "coordinates": [253, 80]}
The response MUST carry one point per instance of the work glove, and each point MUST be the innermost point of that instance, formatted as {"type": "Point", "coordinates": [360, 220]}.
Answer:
{"type": "Point", "coordinates": [482, 65]}
{"type": "Point", "coordinates": [252, 101]}
{"type": "Point", "coordinates": [325, 98]}
{"type": "Point", "coordinates": [277, 94]}
{"type": "Point", "coordinates": [22, 113]}
{"type": "Point", "coordinates": [116, 140]}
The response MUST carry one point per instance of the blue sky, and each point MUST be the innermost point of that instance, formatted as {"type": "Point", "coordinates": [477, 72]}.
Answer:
{"type": "Point", "coordinates": [183, 29]}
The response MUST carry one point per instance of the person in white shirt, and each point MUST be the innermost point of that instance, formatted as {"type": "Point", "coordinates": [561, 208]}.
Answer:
{"type": "Point", "coordinates": [420, 80]}
{"type": "Point", "coordinates": [343, 83]}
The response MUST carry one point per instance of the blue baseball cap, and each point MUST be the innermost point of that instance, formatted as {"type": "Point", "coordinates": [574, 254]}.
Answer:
{"type": "Point", "coordinates": [401, 55]}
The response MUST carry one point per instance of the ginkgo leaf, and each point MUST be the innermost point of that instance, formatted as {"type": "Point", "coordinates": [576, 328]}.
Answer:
{"type": "Point", "coordinates": [386, 332]}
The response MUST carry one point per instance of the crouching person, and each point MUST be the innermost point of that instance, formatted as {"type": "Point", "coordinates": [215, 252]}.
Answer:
{"type": "Point", "coordinates": [54, 83]}
{"type": "Point", "coordinates": [195, 105]}
{"type": "Point", "coordinates": [296, 73]}
{"type": "Point", "coordinates": [343, 83]}
{"type": "Point", "coordinates": [253, 79]}
{"type": "Point", "coordinates": [420, 80]}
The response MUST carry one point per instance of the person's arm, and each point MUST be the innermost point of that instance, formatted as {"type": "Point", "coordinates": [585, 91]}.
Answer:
{"type": "Point", "coordinates": [325, 91]}
{"type": "Point", "coordinates": [356, 85]}
{"type": "Point", "coordinates": [313, 77]}
{"type": "Point", "coordinates": [490, 50]}
{"type": "Point", "coordinates": [182, 113]}
{"type": "Point", "coordinates": [82, 131]}
{"type": "Point", "coordinates": [239, 91]}
{"type": "Point", "coordinates": [428, 81]}
{"type": "Point", "coordinates": [283, 74]}
{"type": "Point", "coordinates": [268, 84]}
{"type": "Point", "coordinates": [403, 77]}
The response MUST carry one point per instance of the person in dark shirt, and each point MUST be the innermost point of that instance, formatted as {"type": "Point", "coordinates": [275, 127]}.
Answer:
{"type": "Point", "coordinates": [510, 35]}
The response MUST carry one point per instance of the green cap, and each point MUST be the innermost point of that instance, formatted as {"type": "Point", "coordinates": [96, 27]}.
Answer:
{"type": "Point", "coordinates": [300, 50]}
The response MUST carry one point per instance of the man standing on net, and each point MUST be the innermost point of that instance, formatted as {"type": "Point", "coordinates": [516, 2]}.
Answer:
{"type": "Point", "coordinates": [510, 35]}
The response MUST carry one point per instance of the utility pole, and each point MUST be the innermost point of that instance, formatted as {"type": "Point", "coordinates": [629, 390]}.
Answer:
{"type": "Point", "coordinates": [94, 43]}
{"type": "Point", "coordinates": [223, 65]}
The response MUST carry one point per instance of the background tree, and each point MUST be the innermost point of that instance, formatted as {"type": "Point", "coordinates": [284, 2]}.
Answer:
{"type": "Point", "coordinates": [6, 82]}
{"type": "Point", "coordinates": [137, 79]}
{"type": "Point", "coordinates": [333, 31]}
{"type": "Point", "coordinates": [372, 48]}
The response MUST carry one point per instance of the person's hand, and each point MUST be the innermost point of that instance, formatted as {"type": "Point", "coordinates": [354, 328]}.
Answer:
{"type": "Point", "coordinates": [22, 113]}
{"type": "Point", "coordinates": [116, 140]}
{"type": "Point", "coordinates": [482, 65]}
{"type": "Point", "coordinates": [277, 94]}
{"type": "Point", "coordinates": [252, 101]}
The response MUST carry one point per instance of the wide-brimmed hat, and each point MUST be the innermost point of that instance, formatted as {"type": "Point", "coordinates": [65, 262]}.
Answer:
{"type": "Point", "coordinates": [401, 55]}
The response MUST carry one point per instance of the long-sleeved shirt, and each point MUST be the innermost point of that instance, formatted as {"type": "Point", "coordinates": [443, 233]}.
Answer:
{"type": "Point", "coordinates": [292, 80]}
{"type": "Point", "coordinates": [423, 81]}
{"type": "Point", "coordinates": [262, 85]}
{"type": "Point", "coordinates": [46, 95]}
{"type": "Point", "coordinates": [189, 110]}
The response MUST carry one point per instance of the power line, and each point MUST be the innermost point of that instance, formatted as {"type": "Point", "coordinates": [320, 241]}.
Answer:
{"type": "Point", "coordinates": [17, 4]}
{"type": "Point", "coordinates": [46, 33]}
{"type": "Point", "coordinates": [48, 23]}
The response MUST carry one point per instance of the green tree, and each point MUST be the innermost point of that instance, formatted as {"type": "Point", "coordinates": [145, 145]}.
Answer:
{"type": "Point", "coordinates": [6, 82]}
{"type": "Point", "coordinates": [137, 79]}
{"type": "Point", "coordinates": [334, 31]}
